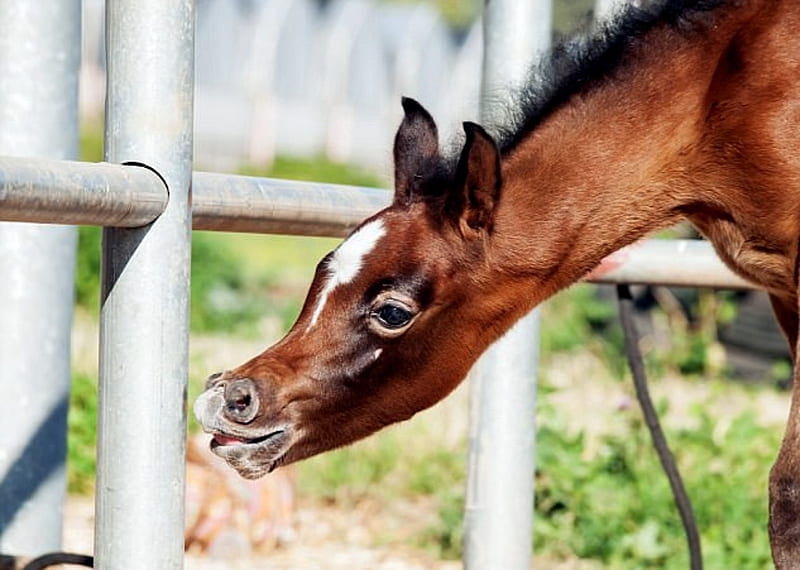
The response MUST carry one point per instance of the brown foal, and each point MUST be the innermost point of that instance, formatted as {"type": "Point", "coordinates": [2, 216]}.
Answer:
{"type": "Point", "coordinates": [689, 109]}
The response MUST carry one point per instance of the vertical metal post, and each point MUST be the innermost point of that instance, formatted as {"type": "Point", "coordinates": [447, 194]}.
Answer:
{"type": "Point", "coordinates": [499, 509]}
{"type": "Point", "coordinates": [145, 299]}
{"type": "Point", "coordinates": [39, 60]}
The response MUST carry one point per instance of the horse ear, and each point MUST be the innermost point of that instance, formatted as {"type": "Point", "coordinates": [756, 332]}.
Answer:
{"type": "Point", "coordinates": [415, 146]}
{"type": "Point", "coordinates": [472, 202]}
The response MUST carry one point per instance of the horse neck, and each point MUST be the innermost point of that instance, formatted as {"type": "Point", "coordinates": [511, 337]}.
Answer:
{"type": "Point", "coordinates": [608, 167]}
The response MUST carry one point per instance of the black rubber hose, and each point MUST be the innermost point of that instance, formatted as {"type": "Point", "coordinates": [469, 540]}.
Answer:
{"type": "Point", "coordinates": [47, 560]}
{"type": "Point", "coordinates": [656, 433]}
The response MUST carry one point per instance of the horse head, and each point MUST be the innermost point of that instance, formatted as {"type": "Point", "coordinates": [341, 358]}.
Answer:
{"type": "Point", "coordinates": [394, 317]}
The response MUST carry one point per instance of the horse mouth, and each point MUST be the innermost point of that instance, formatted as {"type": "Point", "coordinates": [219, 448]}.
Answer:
{"type": "Point", "coordinates": [221, 439]}
{"type": "Point", "coordinates": [251, 457]}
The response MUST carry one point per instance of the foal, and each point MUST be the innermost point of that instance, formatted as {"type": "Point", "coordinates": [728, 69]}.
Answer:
{"type": "Point", "coordinates": [690, 109]}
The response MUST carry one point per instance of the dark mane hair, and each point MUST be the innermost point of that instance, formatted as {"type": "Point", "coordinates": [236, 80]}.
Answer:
{"type": "Point", "coordinates": [576, 65]}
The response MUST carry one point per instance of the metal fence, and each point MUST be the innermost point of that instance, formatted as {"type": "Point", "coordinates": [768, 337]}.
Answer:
{"type": "Point", "coordinates": [142, 198]}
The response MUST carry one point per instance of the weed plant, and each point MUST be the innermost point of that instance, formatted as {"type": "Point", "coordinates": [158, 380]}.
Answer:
{"type": "Point", "coordinates": [616, 506]}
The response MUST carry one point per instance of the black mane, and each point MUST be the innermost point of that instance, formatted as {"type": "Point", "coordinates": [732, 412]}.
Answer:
{"type": "Point", "coordinates": [575, 66]}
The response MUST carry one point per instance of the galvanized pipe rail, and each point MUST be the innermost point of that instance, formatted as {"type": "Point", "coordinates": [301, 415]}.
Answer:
{"type": "Point", "coordinates": [501, 464]}
{"type": "Point", "coordinates": [40, 46]}
{"type": "Point", "coordinates": [669, 262]}
{"type": "Point", "coordinates": [129, 196]}
{"type": "Point", "coordinates": [144, 314]}
{"type": "Point", "coordinates": [79, 193]}
{"type": "Point", "coordinates": [269, 205]}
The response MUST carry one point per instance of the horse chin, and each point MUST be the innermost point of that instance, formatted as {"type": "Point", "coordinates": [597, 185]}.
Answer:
{"type": "Point", "coordinates": [253, 458]}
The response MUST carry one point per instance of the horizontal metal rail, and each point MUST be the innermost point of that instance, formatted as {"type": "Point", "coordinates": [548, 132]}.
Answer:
{"type": "Point", "coordinates": [232, 203]}
{"type": "Point", "coordinates": [64, 192]}
{"type": "Point", "coordinates": [671, 262]}
{"type": "Point", "coordinates": [79, 193]}
{"type": "Point", "coordinates": [114, 195]}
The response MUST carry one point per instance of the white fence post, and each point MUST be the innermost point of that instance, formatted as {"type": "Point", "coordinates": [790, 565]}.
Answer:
{"type": "Point", "coordinates": [145, 299]}
{"type": "Point", "coordinates": [39, 61]}
{"type": "Point", "coordinates": [499, 505]}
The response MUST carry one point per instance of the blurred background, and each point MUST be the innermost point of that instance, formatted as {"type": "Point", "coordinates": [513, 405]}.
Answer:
{"type": "Point", "coordinates": [310, 89]}
{"type": "Point", "coordinates": [309, 78]}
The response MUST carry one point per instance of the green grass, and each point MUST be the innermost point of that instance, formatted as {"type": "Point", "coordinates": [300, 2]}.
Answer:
{"type": "Point", "coordinates": [319, 169]}
{"type": "Point", "coordinates": [226, 296]}
{"type": "Point", "coordinates": [396, 462]}
{"type": "Point", "coordinates": [616, 507]}
{"type": "Point", "coordinates": [290, 259]}
{"type": "Point", "coordinates": [81, 440]}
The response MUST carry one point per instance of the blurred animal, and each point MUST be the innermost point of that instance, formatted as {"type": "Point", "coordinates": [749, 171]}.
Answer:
{"type": "Point", "coordinates": [227, 516]}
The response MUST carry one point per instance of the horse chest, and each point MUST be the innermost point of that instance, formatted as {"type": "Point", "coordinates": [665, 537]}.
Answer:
{"type": "Point", "coordinates": [767, 258]}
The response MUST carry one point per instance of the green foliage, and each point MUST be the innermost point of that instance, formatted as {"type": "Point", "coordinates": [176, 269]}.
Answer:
{"type": "Point", "coordinates": [384, 465]}
{"type": "Point", "coordinates": [87, 268]}
{"type": "Point", "coordinates": [348, 473]}
{"type": "Point", "coordinates": [319, 169]}
{"type": "Point", "coordinates": [615, 506]}
{"type": "Point", "coordinates": [580, 319]}
{"type": "Point", "coordinates": [459, 13]}
{"type": "Point", "coordinates": [571, 318]}
{"type": "Point", "coordinates": [222, 298]}
{"type": "Point", "coordinates": [439, 469]}
{"type": "Point", "coordinates": [693, 354]}
{"type": "Point", "coordinates": [571, 14]}
{"type": "Point", "coordinates": [82, 429]}
{"type": "Point", "coordinates": [448, 535]}
{"type": "Point", "coordinates": [91, 142]}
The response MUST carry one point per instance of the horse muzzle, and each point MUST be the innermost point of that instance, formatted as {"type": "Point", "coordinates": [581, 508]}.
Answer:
{"type": "Point", "coordinates": [225, 410]}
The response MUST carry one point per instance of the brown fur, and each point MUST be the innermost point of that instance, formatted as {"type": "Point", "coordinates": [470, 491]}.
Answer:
{"type": "Point", "coordinates": [699, 119]}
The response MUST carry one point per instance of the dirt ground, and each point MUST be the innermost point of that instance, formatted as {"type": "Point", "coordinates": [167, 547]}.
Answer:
{"type": "Point", "coordinates": [326, 538]}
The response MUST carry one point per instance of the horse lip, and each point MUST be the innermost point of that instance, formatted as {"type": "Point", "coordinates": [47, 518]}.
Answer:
{"type": "Point", "coordinates": [220, 439]}
{"type": "Point", "coordinates": [253, 457]}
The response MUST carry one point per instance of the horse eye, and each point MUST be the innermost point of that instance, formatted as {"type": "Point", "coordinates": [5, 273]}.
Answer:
{"type": "Point", "coordinates": [393, 316]}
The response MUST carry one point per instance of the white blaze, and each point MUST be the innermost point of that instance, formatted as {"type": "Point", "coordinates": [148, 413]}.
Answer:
{"type": "Point", "coordinates": [346, 260]}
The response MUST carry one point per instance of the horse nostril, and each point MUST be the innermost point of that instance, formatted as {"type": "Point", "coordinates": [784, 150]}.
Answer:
{"type": "Point", "coordinates": [241, 401]}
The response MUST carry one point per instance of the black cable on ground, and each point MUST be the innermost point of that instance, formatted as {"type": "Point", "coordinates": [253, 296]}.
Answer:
{"type": "Point", "coordinates": [653, 425]}
{"type": "Point", "coordinates": [48, 560]}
